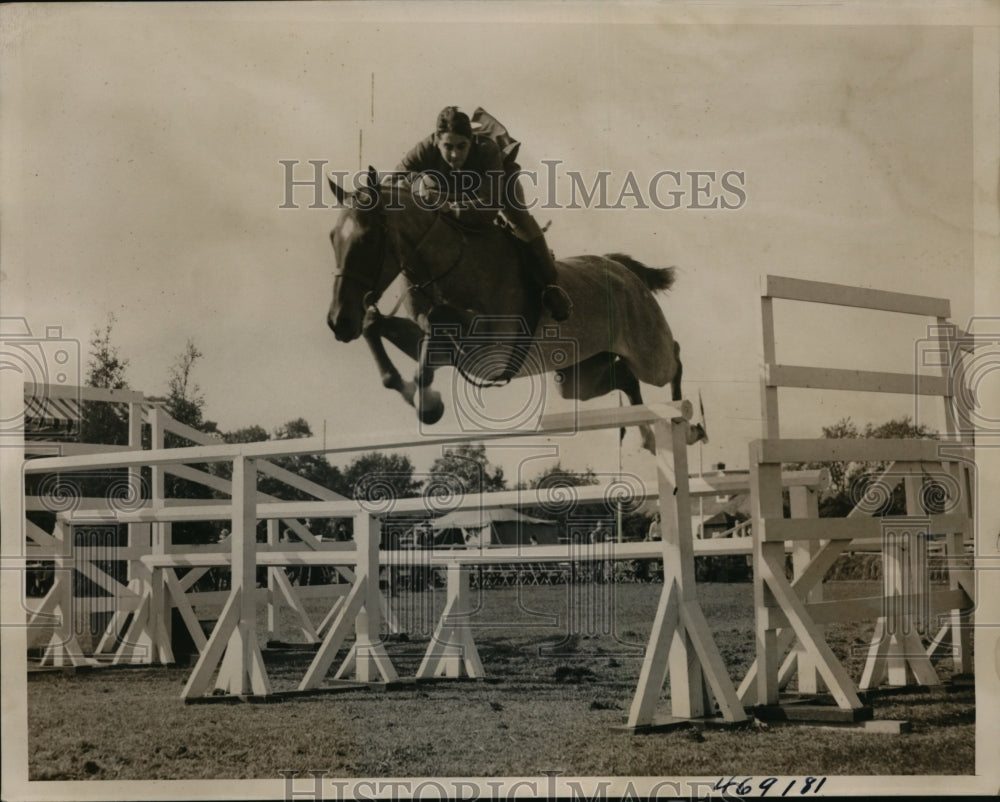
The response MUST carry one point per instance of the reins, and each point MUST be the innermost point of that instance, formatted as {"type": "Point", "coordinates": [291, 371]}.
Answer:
{"type": "Point", "coordinates": [426, 288]}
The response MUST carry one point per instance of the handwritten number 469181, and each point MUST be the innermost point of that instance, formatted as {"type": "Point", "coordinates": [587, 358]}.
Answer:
{"type": "Point", "coordinates": [807, 785]}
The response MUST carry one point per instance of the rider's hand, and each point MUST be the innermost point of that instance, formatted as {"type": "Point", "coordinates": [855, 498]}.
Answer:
{"type": "Point", "coordinates": [428, 189]}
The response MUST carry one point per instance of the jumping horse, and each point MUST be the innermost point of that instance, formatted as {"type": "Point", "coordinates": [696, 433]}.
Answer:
{"type": "Point", "coordinates": [472, 304]}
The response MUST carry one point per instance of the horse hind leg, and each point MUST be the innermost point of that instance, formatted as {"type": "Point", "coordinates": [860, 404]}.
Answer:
{"type": "Point", "coordinates": [697, 433]}
{"type": "Point", "coordinates": [629, 384]}
{"type": "Point", "coordinates": [601, 374]}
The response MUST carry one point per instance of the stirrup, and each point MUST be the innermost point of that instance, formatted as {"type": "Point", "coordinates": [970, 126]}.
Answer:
{"type": "Point", "coordinates": [558, 302]}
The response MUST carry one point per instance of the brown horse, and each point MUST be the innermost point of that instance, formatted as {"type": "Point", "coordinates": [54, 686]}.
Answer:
{"type": "Point", "coordinates": [473, 305]}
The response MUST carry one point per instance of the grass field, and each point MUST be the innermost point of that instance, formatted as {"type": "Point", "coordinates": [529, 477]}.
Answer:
{"type": "Point", "coordinates": [558, 686]}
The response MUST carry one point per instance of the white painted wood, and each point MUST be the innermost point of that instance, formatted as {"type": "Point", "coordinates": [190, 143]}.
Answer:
{"type": "Point", "coordinates": [298, 482]}
{"type": "Point", "coordinates": [85, 393]}
{"type": "Point", "coordinates": [961, 630]}
{"type": "Point", "coordinates": [769, 558]}
{"type": "Point", "coordinates": [559, 423]}
{"type": "Point", "coordinates": [655, 663]}
{"type": "Point", "coordinates": [832, 671]}
{"type": "Point", "coordinates": [804, 503]}
{"type": "Point", "coordinates": [715, 673]}
{"type": "Point", "coordinates": [245, 660]}
{"type": "Point", "coordinates": [780, 530]}
{"type": "Point", "coordinates": [273, 597]}
{"type": "Point", "coordinates": [681, 645]}
{"type": "Point", "coordinates": [35, 448]}
{"type": "Point", "coordinates": [843, 295]}
{"type": "Point", "coordinates": [183, 605]}
{"type": "Point", "coordinates": [854, 380]}
{"type": "Point", "coordinates": [686, 694]}
{"type": "Point", "coordinates": [283, 589]}
{"type": "Point", "coordinates": [863, 608]}
{"type": "Point", "coordinates": [768, 394]}
{"type": "Point", "coordinates": [856, 450]}
{"type": "Point", "coordinates": [335, 636]}
{"type": "Point", "coordinates": [201, 677]}
{"type": "Point", "coordinates": [452, 649]}
{"type": "Point", "coordinates": [370, 655]}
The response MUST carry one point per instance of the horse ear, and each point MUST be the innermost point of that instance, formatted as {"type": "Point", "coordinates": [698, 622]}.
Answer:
{"type": "Point", "coordinates": [338, 190]}
{"type": "Point", "coordinates": [372, 177]}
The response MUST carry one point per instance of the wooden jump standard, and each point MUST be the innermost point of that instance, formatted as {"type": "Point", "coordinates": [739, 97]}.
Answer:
{"type": "Point", "coordinates": [788, 613]}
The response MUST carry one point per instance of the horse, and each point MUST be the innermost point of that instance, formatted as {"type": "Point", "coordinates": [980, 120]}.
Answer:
{"type": "Point", "coordinates": [472, 304]}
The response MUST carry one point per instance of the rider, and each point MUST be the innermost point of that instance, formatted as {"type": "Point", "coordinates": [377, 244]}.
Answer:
{"type": "Point", "coordinates": [471, 164]}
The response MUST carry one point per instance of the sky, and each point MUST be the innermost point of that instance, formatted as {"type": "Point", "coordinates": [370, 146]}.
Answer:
{"type": "Point", "coordinates": [142, 153]}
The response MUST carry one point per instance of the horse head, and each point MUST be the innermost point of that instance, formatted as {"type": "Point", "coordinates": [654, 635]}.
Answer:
{"type": "Point", "coordinates": [364, 267]}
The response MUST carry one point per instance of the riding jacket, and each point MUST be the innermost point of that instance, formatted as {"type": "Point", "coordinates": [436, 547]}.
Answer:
{"type": "Point", "coordinates": [480, 182]}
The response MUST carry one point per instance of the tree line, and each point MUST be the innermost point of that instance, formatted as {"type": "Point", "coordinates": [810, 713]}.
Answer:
{"type": "Point", "coordinates": [462, 469]}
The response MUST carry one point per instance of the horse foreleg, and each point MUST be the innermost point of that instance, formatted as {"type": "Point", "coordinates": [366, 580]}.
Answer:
{"type": "Point", "coordinates": [375, 328]}
{"type": "Point", "coordinates": [428, 403]}
{"type": "Point", "coordinates": [411, 339]}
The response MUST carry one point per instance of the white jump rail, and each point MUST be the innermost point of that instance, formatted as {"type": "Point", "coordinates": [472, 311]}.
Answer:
{"type": "Point", "coordinates": [232, 646]}
{"type": "Point", "coordinates": [789, 613]}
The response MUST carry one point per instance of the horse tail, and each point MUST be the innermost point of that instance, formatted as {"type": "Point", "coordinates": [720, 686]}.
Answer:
{"type": "Point", "coordinates": [656, 278]}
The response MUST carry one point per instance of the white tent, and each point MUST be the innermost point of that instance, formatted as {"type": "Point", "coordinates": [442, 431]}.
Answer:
{"type": "Point", "coordinates": [492, 527]}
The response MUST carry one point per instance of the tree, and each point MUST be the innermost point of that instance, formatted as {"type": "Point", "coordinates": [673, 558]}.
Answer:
{"type": "Point", "coordinates": [465, 468]}
{"type": "Point", "coordinates": [248, 434]}
{"type": "Point", "coordinates": [314, 467]}
{"type": "Point", "coordinates": [850, 481]}
{"type": "Point", "coordinates": [105, 367]}
{"type": "Point", "coordinates": [557, 475]}
{"type": "Point", "coordinates": [554, 482]}
{"type": "Point", "coordinates": [102, 422]}
{"type": "Point", "coordinates": [185, 403]}
{"type": "Point", "coordinates": [378, 473]}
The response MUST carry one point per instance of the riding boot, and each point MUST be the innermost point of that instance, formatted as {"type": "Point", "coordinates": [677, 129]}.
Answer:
{"type": "Point", "coordinates": [556, 301]}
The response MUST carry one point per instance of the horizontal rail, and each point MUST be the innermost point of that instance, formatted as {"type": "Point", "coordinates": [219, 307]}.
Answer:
{"type": "Point", "coordinates": [559, 423]}
{"type": "Point", "coordinates": [96, 511]}
{"type": "Point", "coordinates": [857, 450]}
{"type": "Point", "coordinates": [562, 552]}
{"type": "Point", "coordinates": [73, 392]}
{"type": "Point", "coordinates": [821, 292]}
{"type": "Point", "coordinates": [203, 559]}
{"type": "Point", "coordinates": [865, 608]}
{"type": "Point", "coordinates": [217, 598]}
{"type": "Point", "coordinates": [855, 380]}
{"type": "Point", "coordinates": [51, 449]}
{"type": "Point", "coordinates": [782, 529]}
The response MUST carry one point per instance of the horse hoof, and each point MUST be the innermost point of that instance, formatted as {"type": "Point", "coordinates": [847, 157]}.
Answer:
{"type": "Point", "coordinates": [697, 434]}
{"type": "Point", "coordinates": [431, 413]}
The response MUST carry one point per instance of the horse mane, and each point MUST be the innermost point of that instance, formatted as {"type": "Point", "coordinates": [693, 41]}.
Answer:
{"type": "Point", "coordinates": [656, 278]}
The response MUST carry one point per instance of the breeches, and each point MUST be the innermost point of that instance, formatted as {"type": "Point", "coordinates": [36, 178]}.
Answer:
{"type": "Point", "coordinates": [515, 210]}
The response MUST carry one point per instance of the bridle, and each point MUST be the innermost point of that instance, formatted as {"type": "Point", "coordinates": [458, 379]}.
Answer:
{"type": "Point", "coordinates": [369, 283]}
